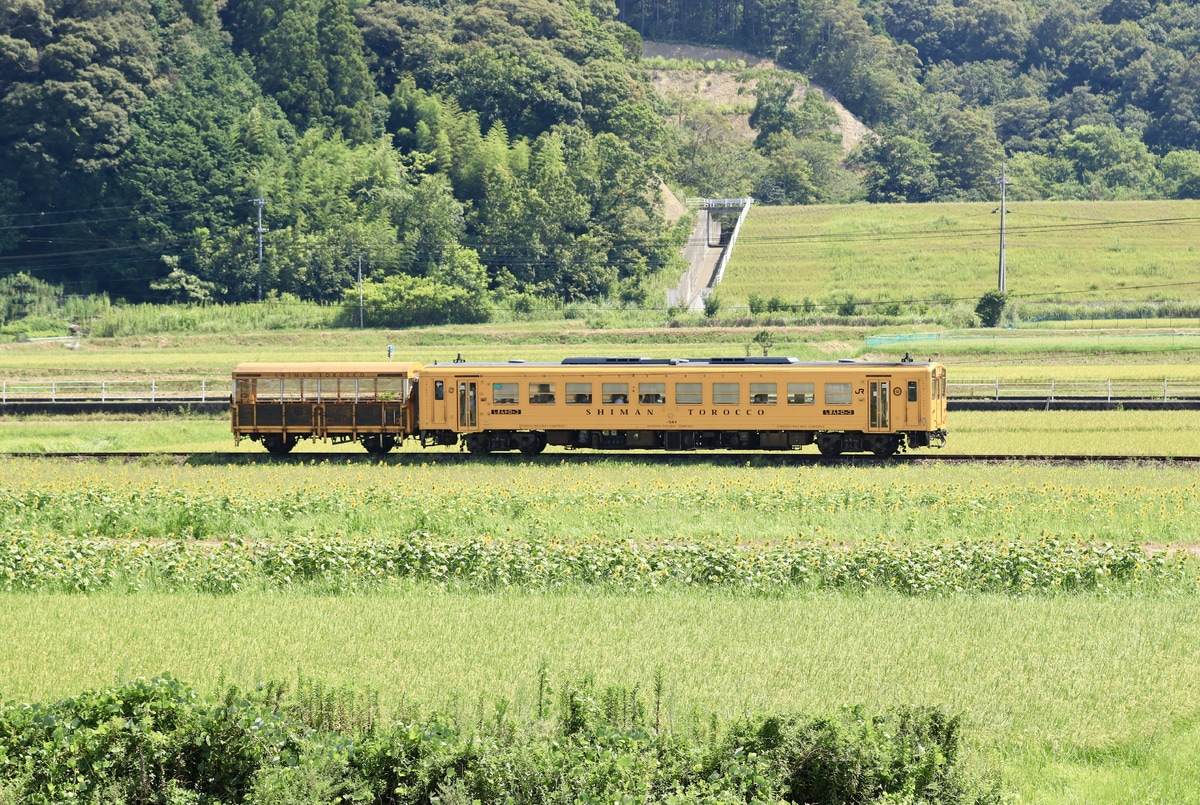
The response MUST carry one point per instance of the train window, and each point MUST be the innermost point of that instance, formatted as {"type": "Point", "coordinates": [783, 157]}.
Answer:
{"type": "Point", "coordinates": [726, 393]}
{"type": "Point", "coordinates": [912, 391]}
{"type": "Point", "coordinates": [762, 393]}
{"type": "Point", "coordinates": [579, 393]}
{"type": "Point", "coordinates": [293, 390]}
{"type": "Point", "coordinates": [801, 394]}
{"type": "Point", "coordinates": [614, 393]}
{"type": "Point", "coordinates": [506, 393]}
{"type": "Point", "coordinates": [688, 394]}
{"type": "Point", "coordinates": [393, 389]}
{"type": "Point", "coordinates": [838, 394]}
{"type": "Point", "coordinates": [652, 393]}
{"type": "Point", "coordinates": [541, 393]}
{"type": "Point", "coordinates": [439, 389]}
{"type": "Point", "coordinates": [244, 391]}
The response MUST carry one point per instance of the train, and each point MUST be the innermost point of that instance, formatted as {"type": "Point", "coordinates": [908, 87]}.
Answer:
{"type": "Point", "coordinates": [597, 403]}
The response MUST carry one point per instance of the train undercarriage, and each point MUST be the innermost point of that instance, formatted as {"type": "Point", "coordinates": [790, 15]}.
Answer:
{"type": "Point", "coordinates": [829, 443]}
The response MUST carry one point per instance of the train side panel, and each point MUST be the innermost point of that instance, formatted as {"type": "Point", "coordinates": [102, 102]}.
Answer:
{"type": "Point", "coordinates": [690, 405]}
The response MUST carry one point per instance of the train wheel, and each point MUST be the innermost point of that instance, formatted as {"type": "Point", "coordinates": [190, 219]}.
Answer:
{"type": "Point", "coordinates": [830, 445]}
{"type": "Point", "coordinates": [885, 446]}
{"type": "Point", "coordinates": [380, 444]}
{"type": "Point", "coordinates": [477, 445]}
{"type": "Point", "coordinates": [279, 445]}
{"type": "Point", "coordinates": [534, 445]}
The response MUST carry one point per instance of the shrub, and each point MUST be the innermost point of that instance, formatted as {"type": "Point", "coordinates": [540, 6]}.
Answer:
{"type": "Point", "coordinates": [404, 301]}
{"type": "Point", "coordinates": [991, 307]}
{"type": "Point", "coordinates": [160, 741]}
{"type": "Point", "coordinates": [712, 305]}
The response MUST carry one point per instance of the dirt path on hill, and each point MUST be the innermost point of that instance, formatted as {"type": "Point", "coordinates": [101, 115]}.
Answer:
{"type": "Point", "coordinates": [722, 87]}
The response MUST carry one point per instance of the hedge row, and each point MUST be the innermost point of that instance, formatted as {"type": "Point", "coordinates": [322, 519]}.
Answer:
{"type": "Point", "coordinates": [1052, 564]}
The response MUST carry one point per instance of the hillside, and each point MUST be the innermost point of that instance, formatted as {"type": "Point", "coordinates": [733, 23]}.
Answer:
{"type": "Point", "coordinates": [492, 157]}
{"type": "Point", "coordinates": [726, 88]}
{"type": "Point", "coordinates": [1081, 260]}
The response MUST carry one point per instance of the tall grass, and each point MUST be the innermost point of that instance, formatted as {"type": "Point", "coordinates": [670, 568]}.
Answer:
{"type": "Point", "coordinates": [1070, 697]}
{"type": "Point", "coordinates": [600, 503]}
{"type": "Point", "coordinates": [151, 319]}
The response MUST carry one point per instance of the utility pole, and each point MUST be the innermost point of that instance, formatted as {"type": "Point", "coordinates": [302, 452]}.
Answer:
{"type": "Point", "coordinates": [1004, 183]}
{"type": "Point", "coordinates": [260, 202]}
{"type": "Point", "coordinates": [360, 293]}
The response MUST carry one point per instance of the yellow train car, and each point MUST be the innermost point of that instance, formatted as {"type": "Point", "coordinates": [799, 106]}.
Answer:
{"type": "Point", "coordinates": [280, 403]}
{"type": "Point", "coordinates": [684, 404]}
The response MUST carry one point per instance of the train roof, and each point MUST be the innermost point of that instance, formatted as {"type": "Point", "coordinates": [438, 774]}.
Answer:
{"type": "Point", "coordinates": [328, 369]}
{"type": "Point", "coordinates": [619, 362]}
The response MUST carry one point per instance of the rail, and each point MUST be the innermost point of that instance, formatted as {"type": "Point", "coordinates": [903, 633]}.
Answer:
{"type": "Point", "coordinates": [217, 389]}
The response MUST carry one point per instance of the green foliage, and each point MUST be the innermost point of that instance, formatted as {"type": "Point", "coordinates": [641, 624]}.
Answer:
{"type": "Point", "coordinates": [180, 286]}
{"type": "Point", "coordinates": [404, 301]}
{"type": "Point", "coordinates": [30, 307]}
{"type": "Point", "coordinates": [161, 741]}
{"type": "Point", "coordinates": [898, 168]}
{"type": "Point", "coordinates": [1054, 564]}
{"type": "Point", "coordinates": [308, 56]}
{"type": "Point", "coordinates": [764, 340]}
{"type": "Point", "coordinates": [278, 313]}
{"type": "Point", "coordinates": [991, 307]}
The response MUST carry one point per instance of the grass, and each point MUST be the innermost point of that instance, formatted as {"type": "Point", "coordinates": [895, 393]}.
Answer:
{"type": "Point", "coordinates": [1056, 252]}
{"type": "Point", "coordinates": [1076, 698]}
{"type": "Point", "coordinates": [1066, 717]}
{"type": "Point", "coordinates": [1147, 433]}
{"type": "Point", "coordinates": [611, 501]}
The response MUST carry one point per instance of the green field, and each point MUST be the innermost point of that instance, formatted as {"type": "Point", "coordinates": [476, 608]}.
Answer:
{"type": "Point", "coordinates": [600, 500]}
{"type": "Point", "coordinates": [1063, 715]}
{"type": "Point", "coordinates": [1056, 252]}
{"type": "Point", "coordinates": [1108, 433]}
{"type": "Point", "coordinates": [1072, 697]}
{"type": "Point", "coordinates": [1010, 355]}
{"type": "Point", "coordinates": [1075, 686]}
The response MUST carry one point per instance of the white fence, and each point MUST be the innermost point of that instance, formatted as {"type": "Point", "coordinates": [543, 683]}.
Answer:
{"type": "Point", "coordinates": [217, 389]}
{"type": "Point", "coordinates": [201, 390]}
{"type": "Point", "coordinates": [1069, 388]}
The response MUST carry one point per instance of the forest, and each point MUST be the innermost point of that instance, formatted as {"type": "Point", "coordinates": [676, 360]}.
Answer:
{"type": "Point", "coordinates": [460, 155]}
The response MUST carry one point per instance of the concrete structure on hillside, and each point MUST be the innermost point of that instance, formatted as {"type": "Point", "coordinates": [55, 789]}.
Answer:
{"type": "Point", "coordinates": [707, 250]}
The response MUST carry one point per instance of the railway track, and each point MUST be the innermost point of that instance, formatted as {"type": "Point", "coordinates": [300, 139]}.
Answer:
{"type": "Point", "coordinates": [631, 457]}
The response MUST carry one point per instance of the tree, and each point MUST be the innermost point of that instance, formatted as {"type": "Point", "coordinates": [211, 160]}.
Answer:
{"type": "Point", "coordinates": [991, 307]}
{"type": "Point", "coordinates": [1108, 158]}
{"type": "Point", "coordinates": [898, 168]}
{"type": "Point", "coordinates": [967, 149]}
{"type": "Point", "coordinates": [181, 287]}
{"type": "Point", "coordinates": [308, 55]}
{"type": "Point", "coordinates": [1181, 174]}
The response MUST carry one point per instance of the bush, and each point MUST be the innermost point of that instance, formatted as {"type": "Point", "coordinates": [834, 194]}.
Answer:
{"type": "Point", "coordinates": [712, 305]}
{"type": "Point", "coordinates": [403, 301]}
{"type": "Point", "coordinates": [160, 741]}
{"type": "Point", "coordinates": [991, 308]}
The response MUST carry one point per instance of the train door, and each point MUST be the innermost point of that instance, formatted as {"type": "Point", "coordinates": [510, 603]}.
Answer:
{"type": "Point", "coordinates": [912, 405]}
{"type": "Point", "coordinates": [880, 406]}
{"type": "Point", "coordinates": [468, 404]}
{"type": "Point", "coordinates": [438, 403]}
